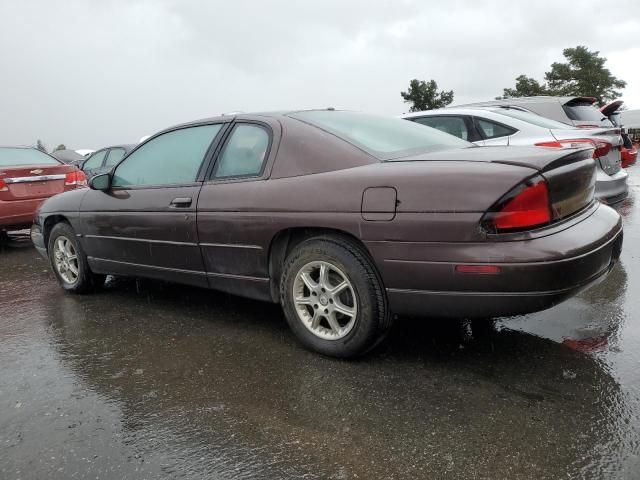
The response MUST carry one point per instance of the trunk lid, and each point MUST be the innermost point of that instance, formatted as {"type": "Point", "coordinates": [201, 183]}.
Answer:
{"type": "Point", "coordinates": [570, 172]}
{"type": "Point", "coordinates": [28, 182]}
{"type": "Point", "coordinates": [611, 162]}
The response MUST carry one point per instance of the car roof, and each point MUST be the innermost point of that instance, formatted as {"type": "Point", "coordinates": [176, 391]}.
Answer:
{"type": "Point", "coordinates": [524, 100]}
{"type": "Point", "coordinates": [229, 117]}
{"type": "Point", "coordinates": [452, 111]}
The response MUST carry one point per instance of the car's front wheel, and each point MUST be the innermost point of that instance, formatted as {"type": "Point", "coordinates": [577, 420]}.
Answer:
{"type": "Point", "coordinates": [333, 299]}
{"type": "Point", "coordinates": [69, 261]}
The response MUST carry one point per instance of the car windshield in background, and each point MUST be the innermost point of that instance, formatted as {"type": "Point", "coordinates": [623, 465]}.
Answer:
{"type": "Point", "coordinates": [584, 112]}
{"type": "Point", "coordinates": [15, 157]}
{"type": "Point", "coordinates": [532, 118]}
{"type": "Point", "coordinates": [383, 137]}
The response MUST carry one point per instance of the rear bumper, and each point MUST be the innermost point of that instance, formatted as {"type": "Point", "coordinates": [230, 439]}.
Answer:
{"type": "Point", "coordinates": [611, 189]}
{"type": "Point", "coordinates": [548, 270]}
{"type": "Point", "coordinates": [18, 213]}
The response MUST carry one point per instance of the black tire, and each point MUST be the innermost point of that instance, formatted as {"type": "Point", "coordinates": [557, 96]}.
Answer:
{"type": "Point", "coordinates": [86, 280]}
{"type": "Point", "coordinates": [372, 320]}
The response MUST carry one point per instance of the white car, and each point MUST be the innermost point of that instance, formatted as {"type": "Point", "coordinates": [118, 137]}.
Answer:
{"type": "Point", "coordinates": [498, 125]}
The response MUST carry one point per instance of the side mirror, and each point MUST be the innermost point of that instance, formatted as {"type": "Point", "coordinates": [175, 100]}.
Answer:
{"type": "Point", "coordinates": [100, 182]}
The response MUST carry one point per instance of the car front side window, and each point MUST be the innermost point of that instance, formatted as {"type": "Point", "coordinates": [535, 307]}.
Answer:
{"type": "Point", "coordinates": [115, 155]}
{"type": "Point", "coordinates": [95, 160]}
{"type": "Point", "coordinates": [172, 158]}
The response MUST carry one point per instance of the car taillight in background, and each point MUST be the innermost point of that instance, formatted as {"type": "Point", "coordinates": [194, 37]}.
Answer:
{"type": "Point", "coordinates": [525, 207]}
{"type": "Point", "coordinates": [3, 186]}
{"type": "Point", "coordinates": [75, 179]}
{"type": "Point", "coordinates": [601, 147]}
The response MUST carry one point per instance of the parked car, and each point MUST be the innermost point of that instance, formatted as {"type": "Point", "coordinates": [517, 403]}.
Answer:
{"type": "Point", "coordinates": [576, 111]}
{"type": "Point", "coordinates": [513, 126]}
{"type": "Point", "coordinates": [628, 151]}
{"type": "Point", "coordinates": [70, 157]}
{"type": "Point", "coordinates": [27, 177]}
{"type": "Point", "coordinates": [103, 160]}
{"type": "Point", "coordinates": [344, 218]}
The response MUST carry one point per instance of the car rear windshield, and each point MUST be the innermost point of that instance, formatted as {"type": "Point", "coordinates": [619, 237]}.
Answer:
{"type": "Point", "coordinates": [531, 117]}
{"type": "Point", "coordinates": [584, 112]}
{"type": "Point", "coordinates": [16, 157]}
{"type": "Point", "coordinates": [383, 137]}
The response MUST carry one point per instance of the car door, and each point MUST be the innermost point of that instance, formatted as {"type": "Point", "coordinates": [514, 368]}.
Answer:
{"type": "Point", "coordinates": [460, 126]}
{"type": "Point", "coordinates": [230, 226]}
{"type": "Point", "coordinates": [93, 164]}
{"type": "Point", "coordinates": [493, 133]}
{"type": "Point", "coordinates": [145, 224]}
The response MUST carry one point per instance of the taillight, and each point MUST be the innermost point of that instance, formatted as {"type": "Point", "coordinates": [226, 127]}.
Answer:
{"type": "Point", "coordinates": [3, 186]}
{"type": "Point", "coordinates": [76, 178]}
{"type": "Point", "coordinates": [601, 148]}
{"type": "Point", "coordinates": [525, 207]}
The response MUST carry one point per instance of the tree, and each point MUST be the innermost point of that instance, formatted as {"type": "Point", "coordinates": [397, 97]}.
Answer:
{"type": "Point", "coordinates": [424, 96]}
{"type": "Point", "coordinates": [40, 146]}
{"type": "Point", "coordinates": [525, 87]}
{"type": "Point", "coordinates": [60, 147]}
{"type": "Point", "coordinates": [583, 74]}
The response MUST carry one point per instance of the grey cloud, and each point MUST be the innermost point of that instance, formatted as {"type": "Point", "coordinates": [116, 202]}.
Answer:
{"type": "Point", "coordinates": [95, 73]}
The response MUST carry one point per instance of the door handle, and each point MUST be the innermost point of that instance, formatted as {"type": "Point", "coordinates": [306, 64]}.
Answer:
{"type": "Point", "coordinates": [180, 202]}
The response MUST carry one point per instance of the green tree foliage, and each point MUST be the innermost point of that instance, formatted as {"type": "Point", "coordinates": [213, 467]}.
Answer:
{"type": "Point", "coordinates": [526, 87]}
{"type": "Point", "coordinates": [41, 146]}
{"type": "Point", "coordinates": [425, 96]}
{"type": "Point", "coordinates": [60, 147]}
{"type": "Point", "coordinates": [583, 74]}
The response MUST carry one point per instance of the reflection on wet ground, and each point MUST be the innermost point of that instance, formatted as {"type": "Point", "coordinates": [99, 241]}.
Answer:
{"type": "Point", "coordinates": [150, 380]}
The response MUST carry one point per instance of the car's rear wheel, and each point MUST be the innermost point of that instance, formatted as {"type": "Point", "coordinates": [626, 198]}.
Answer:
{"type": "Point", "coordinates": [333, 298]}
{"type": "Point", "coordinates": [69, 261]}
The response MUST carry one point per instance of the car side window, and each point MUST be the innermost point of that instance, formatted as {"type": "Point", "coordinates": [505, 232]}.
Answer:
{"type": "Point", "coordinates": [449, 124]}
{"type": "Point", "coordinates": [244, 153]}
{"type": "Point", "coordinates": [95, 160]}
{"type": "Point", "coordinates": [171, 158]}
{"type": "Point", "coordinates": [115, 155]}
{"type": "Point", "coordinates": [491, 129]}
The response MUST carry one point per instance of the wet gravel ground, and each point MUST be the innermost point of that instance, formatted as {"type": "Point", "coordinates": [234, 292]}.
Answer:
{"type": "Point", "coordinates": [151, 380]}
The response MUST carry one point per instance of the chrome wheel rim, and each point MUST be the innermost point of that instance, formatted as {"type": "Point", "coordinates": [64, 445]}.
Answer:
{"type": "Point", "coordinates": [325, 300]}
{"type": "Point", "coordinates": [65, 259]}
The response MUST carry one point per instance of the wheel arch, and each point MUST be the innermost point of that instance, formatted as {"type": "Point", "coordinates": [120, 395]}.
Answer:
{"type": "Point", "coordinates": [48, 224]}
{"type": "Point", "coordinates": [284, 241]}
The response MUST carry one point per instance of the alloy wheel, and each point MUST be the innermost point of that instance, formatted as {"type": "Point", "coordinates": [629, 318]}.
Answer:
{"type": "Point", "coordinates": [325, 300]}
{"type": "Point", "coordinates": [65, 259]}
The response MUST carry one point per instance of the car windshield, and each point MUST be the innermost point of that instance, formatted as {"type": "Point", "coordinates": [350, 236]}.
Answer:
{"type": "Point", "coordinates": [383, 137]}
{"type": "Point", "coordinates": [15, 157]}
{"type": "Point", "coordinates": [531, 117]}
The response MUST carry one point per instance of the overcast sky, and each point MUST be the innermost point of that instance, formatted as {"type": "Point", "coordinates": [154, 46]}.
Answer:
{"type": "Point", "coordinates": [94, 73]}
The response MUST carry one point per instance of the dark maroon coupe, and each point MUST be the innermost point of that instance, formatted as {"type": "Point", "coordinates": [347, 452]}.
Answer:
{"type": "Point", "coordinates": [344, 218]}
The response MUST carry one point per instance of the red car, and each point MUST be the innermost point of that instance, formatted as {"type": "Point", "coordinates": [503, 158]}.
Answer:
{"type": "Point", "coordinates": [628, 152]}
{"type": "Point", "coordinates": [28, 177]}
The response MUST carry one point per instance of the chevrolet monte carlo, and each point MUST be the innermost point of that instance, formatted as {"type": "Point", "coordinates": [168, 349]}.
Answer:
{"type": "Point", "coordinates": [345, 219]}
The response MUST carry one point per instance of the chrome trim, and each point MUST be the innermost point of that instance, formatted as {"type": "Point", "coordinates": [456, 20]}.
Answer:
{"type": "Point", "coordinates": [237, 277]}
{"type": "Point", "coordinates": [152, 267]}
{"type": "Point", "coordinates": [39, 178]}
{"type": "Point", "coordinates": [130, 239]}
{"type": "Point", "coordinates": [231, 245]}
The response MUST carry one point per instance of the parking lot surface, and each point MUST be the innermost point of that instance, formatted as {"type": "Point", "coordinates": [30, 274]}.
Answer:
{"type": "Point", "coordinates": [153, 380]}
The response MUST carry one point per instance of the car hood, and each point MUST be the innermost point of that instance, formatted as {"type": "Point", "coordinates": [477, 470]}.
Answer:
{"type": "Point", "coordinates": [536, 158]}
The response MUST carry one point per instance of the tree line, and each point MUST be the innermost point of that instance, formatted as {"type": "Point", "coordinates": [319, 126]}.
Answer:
{"type": "Point", "coordinates": [583, 74]}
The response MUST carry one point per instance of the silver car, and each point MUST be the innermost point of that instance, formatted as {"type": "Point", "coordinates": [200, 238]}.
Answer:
{"type": "Point", "coordinates": [515, 126]}
{"type": "Point", "coordinates": [574, 111]}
